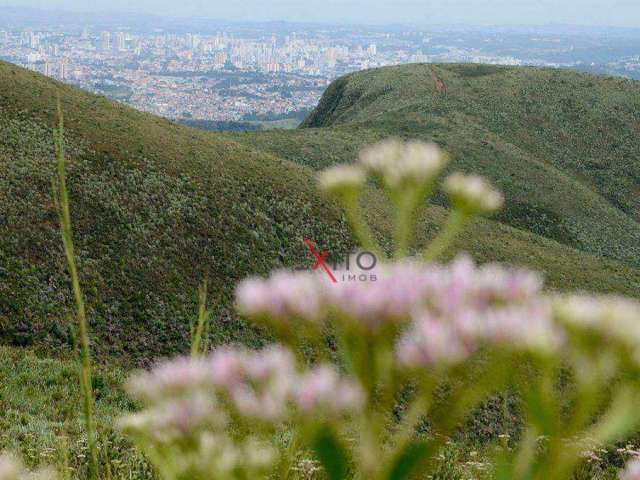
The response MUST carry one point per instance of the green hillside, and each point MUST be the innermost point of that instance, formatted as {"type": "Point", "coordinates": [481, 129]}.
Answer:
{"type": "Point", "coordinates": [156, 206]}
{"type": "Point", "coordinates": [561, 145]}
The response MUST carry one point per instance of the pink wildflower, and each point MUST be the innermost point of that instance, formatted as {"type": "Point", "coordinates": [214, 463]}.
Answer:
{"type": "Point", "coordinates": [631, 471]}
{"type": "Point", "coordinates": [171, 378]}
{"type": "Point", "coordinates": [284, 296]}
{"type": "Point", "coordinates": [324, 389]}
{"type": "Point", "coordinates": [431, 342]}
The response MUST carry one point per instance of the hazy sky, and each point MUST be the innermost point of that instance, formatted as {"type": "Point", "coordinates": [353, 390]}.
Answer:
{"type": "Point", "coordinates": [476, 12]}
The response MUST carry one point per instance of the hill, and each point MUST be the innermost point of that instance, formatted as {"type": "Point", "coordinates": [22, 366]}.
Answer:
{"type": "Point", "coordinates": [156, 206]}
{"type": "Point", "coordinates": [560, 144]}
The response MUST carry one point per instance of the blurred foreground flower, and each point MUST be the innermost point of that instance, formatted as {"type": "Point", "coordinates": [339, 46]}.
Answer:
{"type": "Point", "coordinates": [631, 471]}
{"type": "Point", "coordinates": [474, 305]}
{"type": "Point", "coordinates": [285, 297]}
{"type": "Point", "coordinates": [193, 406]}
{"type": "Point", "coordinates": [412, 336]}
{"type": "Point", "coordinates": [473, 194]}
{"type": "Point", "coordinates": [322, 389]}
{"type": "Point", "coordinates": [342, 180]}
{"type": "Point", "coordinates": [610, 316]}
{"type": "Point", "coordinates": [12, 469]}
{"type": "Point", "coordinates": [402, 165]}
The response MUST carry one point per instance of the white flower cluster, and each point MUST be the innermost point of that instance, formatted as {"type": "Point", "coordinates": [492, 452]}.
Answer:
{"type": "Point", "coordinates": [322, 390]}
{"type": "Point", "coordinates": [404, 164]}
{"type": "Point", "coordinates": [342, 179]}
{"type": "Point", "coordinates": [399, 166]}
{"type": "Point", "coordinates": [403, 167]}
{"type": "Point", "coordinates": [473, 194]}
{"type": "Point", "coordinates": [285, 297]}
{"type": "Point", "coordinates": [192, 404]}
{"type": "Point", "coordinates": [611, 317]}
{"type": "Point", "coordinates": [449, 311]}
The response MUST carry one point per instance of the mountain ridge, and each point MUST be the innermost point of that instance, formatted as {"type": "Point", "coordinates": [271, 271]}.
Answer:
{"type": "Point", "coordinates": [588, 188]}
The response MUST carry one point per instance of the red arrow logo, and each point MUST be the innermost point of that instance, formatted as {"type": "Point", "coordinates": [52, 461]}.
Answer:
{"type": "Point", "coordinates": [320, 258]}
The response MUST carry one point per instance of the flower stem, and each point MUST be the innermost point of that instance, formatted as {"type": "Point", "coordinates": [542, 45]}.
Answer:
{"type": "Point", "coordinates": [203, 317]}
{"type": "Point", "coordinates": [455, 224]}
{"type": "Point", "coordinates": [404, 225]}
{"type": "Point", "coordinates": [361, 229]}
{"type": "Point", "coordinates": [61, 198]}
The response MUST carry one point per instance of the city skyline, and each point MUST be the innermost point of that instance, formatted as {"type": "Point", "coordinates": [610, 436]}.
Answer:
{"type": "Point", "coordinates": [275, 72]}
{"type": "Point", "coordinates": [619, 13]}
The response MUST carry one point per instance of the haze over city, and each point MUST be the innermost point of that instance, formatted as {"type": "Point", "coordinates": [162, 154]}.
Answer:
{"type": "Point", "coordinates": [238, 71]}
{"type": "Point", "coordinates": [623, 13]}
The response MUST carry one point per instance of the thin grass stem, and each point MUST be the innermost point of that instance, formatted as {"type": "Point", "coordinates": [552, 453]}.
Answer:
{"type": "Point", "coordinates": [61, 198]}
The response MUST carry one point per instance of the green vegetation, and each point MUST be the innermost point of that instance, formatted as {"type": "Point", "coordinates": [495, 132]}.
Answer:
{"type": "Point", "coordinates": [561, 145]}
{"type": "Point", "coordinates": [243, 126]}
{"type": "Point", "coordinates": [156, 207]}
{"type": "Point", "coordinates": [219, 126]}
{"type": "Point", "coordinates": [40, 404]}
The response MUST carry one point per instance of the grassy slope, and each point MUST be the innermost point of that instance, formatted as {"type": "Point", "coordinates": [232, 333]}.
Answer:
{"type": "Point", "coordinates": [156, 206]}
{"type": "Point", "coordinates": [560, 144]}
{"type": "Point", "coordinates": [41, 415]}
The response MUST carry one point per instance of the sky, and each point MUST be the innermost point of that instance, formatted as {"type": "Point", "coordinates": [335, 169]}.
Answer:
{"type": "Point", "coordinates": [622, 13]}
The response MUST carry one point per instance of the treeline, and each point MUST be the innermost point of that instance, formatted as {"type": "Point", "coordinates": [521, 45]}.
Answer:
{"type": "Point", "coordinates": [221, 126]}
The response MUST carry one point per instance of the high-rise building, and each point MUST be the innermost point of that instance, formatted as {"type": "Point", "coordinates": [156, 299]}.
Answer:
{"type": "Point", "coordinates": [48, 69]}
{"type": "Point", "coordinates": [272, 67]}
{"type": "Point", "coordinates": [192, 41]}
{"type": "Point", "coordinates": [121, 41]}
{"type": "Point", "coordinates": [34, 40]}
{"type": "Point", "coordinates": [219, 59]}
{"type": "Point", "coordinates": [24, 37]}
{"type": "Point", "coordinates": [331, 57]}
{"type": "Point", "coordinates": [105, 41]}
{"type": "Point", "coordinates": [62, 70]}
{"type": "Point", "coordinates": [34, 57]}
{"type": "Point", "coordinates": [4, 36]}
{"type": "Point", "coordinates": [373, 49]}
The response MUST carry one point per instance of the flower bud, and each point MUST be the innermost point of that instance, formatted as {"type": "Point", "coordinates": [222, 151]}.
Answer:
{"type": "Point", "coordinates": [473, 194]}
{"type": "Point", "coordinates": [404, 165]}
{"type": "Point", "coordinates": [342, 179]}
{"type": "Point", "coordinates": [611, 316]}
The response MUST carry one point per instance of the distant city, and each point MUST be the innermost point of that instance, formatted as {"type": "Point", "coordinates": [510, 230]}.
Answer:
{"type": "Point", "coordinates": [274, 72]}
